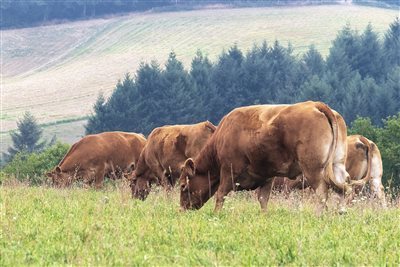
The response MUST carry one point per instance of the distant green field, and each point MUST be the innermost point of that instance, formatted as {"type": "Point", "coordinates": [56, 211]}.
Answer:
{"type": "Point", "coordinates": [57, 71]}
{"type": "Point", "coordinates": [44, 226]}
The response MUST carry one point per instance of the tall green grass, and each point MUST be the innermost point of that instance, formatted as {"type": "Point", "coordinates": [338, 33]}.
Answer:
{"type": "Point", "coordinates": [43, 226]}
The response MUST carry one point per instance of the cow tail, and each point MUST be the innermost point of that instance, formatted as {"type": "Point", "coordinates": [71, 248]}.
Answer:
{"type": "Point", "coordinates": [329, 174]}
{"type": "Point", "coordinates": [367, 176]}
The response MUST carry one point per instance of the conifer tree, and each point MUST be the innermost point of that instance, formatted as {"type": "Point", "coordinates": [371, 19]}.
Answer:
{"type": "Point", "coordinates": [391, 45]}
{"type": "Point", "coordinates": [179, 98]}
{"type": "Point", "coordinates": [316, 89]}
{"type": "Point", "coordinates": [312, 63]}
{"type": "Point", "coordinates": [204, 90]}
{"type": "Point", "coordinates": [97, 121]}
{"type": "Point", "coordinates": [26, 138]}
{"type": "Point", "coordinates": [369, 55]}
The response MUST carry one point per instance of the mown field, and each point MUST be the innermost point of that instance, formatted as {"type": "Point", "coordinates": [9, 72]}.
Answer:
{"type": "Point", "coordinates": [47, 226]}
{"type": "Point", "coordinates": [57, 71]}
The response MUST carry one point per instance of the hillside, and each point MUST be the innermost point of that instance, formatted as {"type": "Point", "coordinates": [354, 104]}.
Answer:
{"type": "Point", "coordinates": [57, 71]}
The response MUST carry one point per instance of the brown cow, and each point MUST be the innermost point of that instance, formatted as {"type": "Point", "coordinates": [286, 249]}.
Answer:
{"type": "Point", "coordinates": [363, 163]}
{"type": "Point", "coordinates": [254, 144]}
{"type": "Point", "coordinates": [97, 155]}
{"type": "Point", "coordinates": [286, 185]}
{"type": "Point", "coordinates": [166, 150]}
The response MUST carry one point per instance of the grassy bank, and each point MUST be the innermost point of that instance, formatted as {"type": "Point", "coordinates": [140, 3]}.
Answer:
{"type": "Point", "coordinates": [44, 226]}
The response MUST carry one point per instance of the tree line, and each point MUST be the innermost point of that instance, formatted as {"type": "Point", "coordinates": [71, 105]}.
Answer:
{"type": "Point", "coordinates": [22, 13]}
{"type": "Point", "coordinates": [359, 77]}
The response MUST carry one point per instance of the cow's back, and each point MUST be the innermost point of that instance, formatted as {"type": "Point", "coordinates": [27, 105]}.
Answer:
{"type": "Point", "coordinates": [277, 128]}
{"type": "Point", "coordinates": [170, 145]}
{"type": "Point", "coordinates": [113, 148]}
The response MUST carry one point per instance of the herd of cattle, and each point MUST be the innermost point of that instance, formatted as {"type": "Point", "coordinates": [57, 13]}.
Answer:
{"type": "Point", "coordinates": [303, 144]}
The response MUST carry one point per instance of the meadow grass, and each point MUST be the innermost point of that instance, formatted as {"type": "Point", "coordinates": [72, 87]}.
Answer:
{"type": "Point", "coordinates": [47, 226]}
{"type": "Point", "coordinates": [57, 71]}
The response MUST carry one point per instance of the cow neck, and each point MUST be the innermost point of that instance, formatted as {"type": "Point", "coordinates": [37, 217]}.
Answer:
{"type": "Point", "coordinates": [69, 164]}
{"type": "Point", "coordinates": [206, 162]}
{"type": "Point", "coordinates": [65, 159]}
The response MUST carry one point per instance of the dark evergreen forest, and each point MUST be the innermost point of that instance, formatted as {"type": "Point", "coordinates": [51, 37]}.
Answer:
{"type": "Point", "coordinates": [359, 77]}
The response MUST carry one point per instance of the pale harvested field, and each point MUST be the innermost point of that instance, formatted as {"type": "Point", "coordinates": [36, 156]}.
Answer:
{"type": "Point", "coordinates": [68, 132]}
{"type": "Point", "coordinates": [56, 72]}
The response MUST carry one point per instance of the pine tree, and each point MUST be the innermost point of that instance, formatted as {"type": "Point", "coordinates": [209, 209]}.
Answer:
{"type": "Point", "coordinates": [148, 109]}
{"type": "Point", "coordinates": [227, 77]}
{"type": "Point", "coordinates": [285, 78]}
{"type": "Point", "coordinates": [392, 87]}
{"type": "Point", "coordinates": [391, 45]}
{"type": "Point", "coordinates": [316, 89]}
{"type": "Point", "coordinates": [179, 98]}
{"type": "Point", "coordinates": [256, 80]}
{"type": "Point", "coordinates": [204, 90]}
{"type": "Point", "coordinates": [312, 63]}
{"type": "Point", "coordinates": [354, 100]}
{"type": "Point", "coordinates": [26, 138]}
{"type": "Point", "coordinates": [97, 121]}
{"type": "Point", "coordinates": [369, 55]}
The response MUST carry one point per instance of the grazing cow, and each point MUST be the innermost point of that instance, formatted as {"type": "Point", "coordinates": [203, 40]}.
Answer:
{"type": "Point", "coordinates": [98, 155]}
{"type": "Point", "coordinates": [254, 144]}
{"type": "Point", "coordinates": [166, 150]}
{"type": "Point", "coordinates": [364, 164]}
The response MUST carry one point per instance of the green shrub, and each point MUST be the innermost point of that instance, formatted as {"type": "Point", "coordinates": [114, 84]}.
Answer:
{"type": "Point", "coordinates": [364, 127]}
{"type": "Point", "coordinates": [31, 167]}
{"type": "Point", "coordinates": [389, 145]}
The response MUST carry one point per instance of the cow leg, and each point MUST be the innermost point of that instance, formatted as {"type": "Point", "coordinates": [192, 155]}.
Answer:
{"type": "Point", "coordinates": [377, 191]}
{"type": "Point", "coordinates": [340, 201]}
{"type": "Point", "coordinates": [225, 186]}
{"type": "Point", "coordinates": [315, 177]}
{"type": "Point", "coordinates": [321, 191]}
{"type": "Point", "coordinates": [99, 178]}
{"type": "Point", "coordinates": [263, 194]}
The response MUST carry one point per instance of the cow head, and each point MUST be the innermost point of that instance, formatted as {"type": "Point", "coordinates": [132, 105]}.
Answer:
{"type": "Point", "coordinates": [140, 185]}
{"type": "Point", "coordinates": [59, 178]}
{"type": "Point", "coordinates": [195, 188]}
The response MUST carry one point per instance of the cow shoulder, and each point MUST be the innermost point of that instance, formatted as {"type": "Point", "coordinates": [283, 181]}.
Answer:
{"type": "Point", "coordinates": [180, 143]}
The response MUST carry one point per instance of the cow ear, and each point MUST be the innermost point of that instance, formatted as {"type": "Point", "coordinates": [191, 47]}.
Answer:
{"type": "Point", "coordinates": [58, 169]}
{"type": "Point", "coordinates": [190, 166]}
{"type": "Point", "coordinates": [132, 167]}
{"type": "Point", "coordinates": [210, 126]}
{"type": "Point", "coordinates": [360, 145]}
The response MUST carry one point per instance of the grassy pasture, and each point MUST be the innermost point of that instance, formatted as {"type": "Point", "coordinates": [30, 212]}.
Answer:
{"type": "Point", "coordinates": [57, 71]}
{"type": "Point", "coordinates": [43, 226]}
